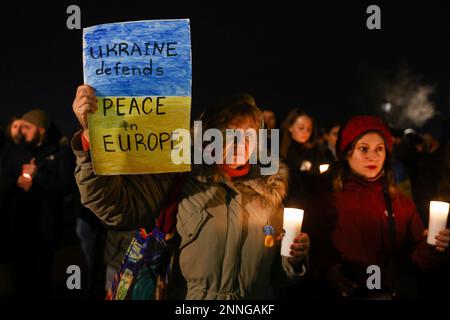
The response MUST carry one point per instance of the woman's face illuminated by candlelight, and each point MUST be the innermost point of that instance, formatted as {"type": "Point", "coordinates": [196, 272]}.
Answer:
{"type": "Point", "coordinates": [368, 156]}
{"type": "Point", "coordinates": [301, 129]}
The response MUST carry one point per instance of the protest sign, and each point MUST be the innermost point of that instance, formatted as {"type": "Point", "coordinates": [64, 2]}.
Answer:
{"type": "Point", "coordinates": [142, 75]}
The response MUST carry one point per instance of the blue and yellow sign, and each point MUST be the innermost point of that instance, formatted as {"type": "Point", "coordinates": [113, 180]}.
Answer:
{"type": "Point", "coordinates": [142, 73]}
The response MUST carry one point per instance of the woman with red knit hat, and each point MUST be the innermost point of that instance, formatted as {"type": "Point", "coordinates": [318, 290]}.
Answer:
{"type": "Point", "coordinates": [374, 223]}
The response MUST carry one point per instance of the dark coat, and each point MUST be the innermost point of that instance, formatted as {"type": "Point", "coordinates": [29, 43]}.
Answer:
{"type": "Point", "coordinates": [351, 228]}
{"type": "Point", "coordinates": [361, 237]}
{"type": "Point", "coordinates": [40, 209]}
{"type": "Point", "coordinates": [36, 215]}
{"type": "Point", "coordinates": [361, 234]}
{"type": "Point", "coordinates": [302, 178]}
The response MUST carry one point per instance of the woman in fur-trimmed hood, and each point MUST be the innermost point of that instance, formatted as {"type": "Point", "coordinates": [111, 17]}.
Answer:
{"type": "Point", "coordinates": [228, 217]}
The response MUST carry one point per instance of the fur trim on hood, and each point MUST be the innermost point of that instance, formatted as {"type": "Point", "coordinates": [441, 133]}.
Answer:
{"type": "Point", "coordinates": [272, 188]}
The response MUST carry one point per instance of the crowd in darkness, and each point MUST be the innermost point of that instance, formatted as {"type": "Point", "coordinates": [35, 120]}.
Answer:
{"type": "Point", "coordinates": [38, 188]}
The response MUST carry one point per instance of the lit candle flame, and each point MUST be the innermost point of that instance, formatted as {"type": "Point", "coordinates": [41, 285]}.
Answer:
{"type": "Point", "coordinates": [26, 175]}
{"type": "Point", "coordinates": [324, 167]}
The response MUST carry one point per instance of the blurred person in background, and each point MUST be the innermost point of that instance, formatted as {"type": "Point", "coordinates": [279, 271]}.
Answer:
{"type": "Point", "coordinates": [300, 150]}
{"type": "Point", "coordinates": [42, 178]}
{"type": "Point", "coordinates": [330, 137]}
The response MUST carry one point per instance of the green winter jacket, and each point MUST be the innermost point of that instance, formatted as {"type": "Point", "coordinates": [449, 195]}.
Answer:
{"type": "Point", "coordinates": [221, 224]}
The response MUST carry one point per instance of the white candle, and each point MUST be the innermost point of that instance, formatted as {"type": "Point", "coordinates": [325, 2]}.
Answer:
{"type": "Point", "coordinates": [323, 167]}
{"type": "Point", "coordinates": [437, 221]}
{"type": "Point", "coordinates": [292, 225]}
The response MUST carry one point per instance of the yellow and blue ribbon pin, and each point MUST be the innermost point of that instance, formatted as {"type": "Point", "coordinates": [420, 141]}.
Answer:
{"type": "Point", "coordinates": [268, 239]}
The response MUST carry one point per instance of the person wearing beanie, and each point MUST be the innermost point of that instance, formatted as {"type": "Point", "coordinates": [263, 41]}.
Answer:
{"type": "Point", "coordinates": [42, 179]}
{"type": "Point", "coordinates": [373, 223]}
{"type": "Point", "coordinates": [35, 124]}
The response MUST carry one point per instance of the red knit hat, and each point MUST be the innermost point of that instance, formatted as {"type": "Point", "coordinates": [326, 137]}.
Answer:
{"type": "Point", "coordinates": [357, 126]}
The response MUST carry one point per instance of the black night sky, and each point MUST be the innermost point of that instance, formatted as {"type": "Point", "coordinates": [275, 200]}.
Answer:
{"type": "Point", "coordinates": [312, 54]}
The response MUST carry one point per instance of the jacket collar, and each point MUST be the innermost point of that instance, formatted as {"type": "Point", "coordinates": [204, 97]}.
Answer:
{"type": "Point", "coordinates": [355, 181]}
{"type": "Point", "coordinates": [273, 188]}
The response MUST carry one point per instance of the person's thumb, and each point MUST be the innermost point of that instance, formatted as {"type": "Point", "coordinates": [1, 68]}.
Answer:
{"type": "Point", "coordinates": [33, 161]}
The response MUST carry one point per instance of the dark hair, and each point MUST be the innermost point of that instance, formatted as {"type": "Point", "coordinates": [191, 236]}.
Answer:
{"type": "Point", "coordinates": [329, 125]}
{"type": "Point", "coordinates": [9, 125]}
{"type": "Point", "coordinates": [341, 170]}
{"type": "Point", "coordinates": [274, 114]}
{"type": "Point", "coordinates": [286, 138]}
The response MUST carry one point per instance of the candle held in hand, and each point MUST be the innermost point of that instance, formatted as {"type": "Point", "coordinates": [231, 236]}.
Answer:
{"type": "Point", "coordinates": [292, 226]}
{"type": "Point", "coordinates": [324, 167]}
{"type": "Point", "coordinates": [437, 221]}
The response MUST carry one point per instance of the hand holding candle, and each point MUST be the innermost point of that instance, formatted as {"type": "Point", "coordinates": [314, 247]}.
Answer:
{"type": "Point", "coordinates": [24, 182]}
{"type": "Point", "coordinates": [29, 169]}
{"type": "Point", "coordinates": [437, 220]}
{"type": "Point", "coordinates": [292, 225]}
{"type": "Point", "coordinates": [299, 250]}
{"type": "Point", "coordinates": [26, 175]}
{"type": "Point", "coordinates": [442, 240]}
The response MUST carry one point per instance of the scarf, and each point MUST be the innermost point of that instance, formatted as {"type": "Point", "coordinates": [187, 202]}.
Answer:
{"type": "Point", "coordinates": [235, 173]}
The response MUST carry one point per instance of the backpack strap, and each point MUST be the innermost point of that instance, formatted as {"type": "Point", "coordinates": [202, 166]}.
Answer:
{"type": "Point", "coordinates": [142, 248]}
{"type": "Point", "coordinates": [391, 221]}
{"type": "Point", "coordinates": [392, 266]}
{"type": "Point", "coordinates": [167, 218]}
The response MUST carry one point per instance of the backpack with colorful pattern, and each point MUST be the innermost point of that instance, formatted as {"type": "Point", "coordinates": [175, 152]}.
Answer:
{"type": "Point", "coordinates": [148, 264]}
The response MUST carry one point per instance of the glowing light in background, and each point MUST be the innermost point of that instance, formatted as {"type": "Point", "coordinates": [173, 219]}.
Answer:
{"type": "Point", "coordinates": [386, 107]}
{"type": "Point", "coordinates": [324, 167]}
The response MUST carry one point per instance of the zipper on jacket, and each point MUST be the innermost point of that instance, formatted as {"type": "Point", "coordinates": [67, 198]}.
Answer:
{"type": "Point", "coordinates": [237, 266]}
{"type": "Point", "coordinates": [227, 202]}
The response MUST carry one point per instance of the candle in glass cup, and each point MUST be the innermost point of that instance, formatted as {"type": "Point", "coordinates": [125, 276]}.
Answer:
{"type": "Point", "coordinates": [437, 220]}
{"type": "Point", "coordinates": [292, 226]}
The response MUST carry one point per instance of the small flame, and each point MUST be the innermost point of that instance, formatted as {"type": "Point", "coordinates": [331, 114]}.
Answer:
{"type": "Point", "coordinates": [324, 167]}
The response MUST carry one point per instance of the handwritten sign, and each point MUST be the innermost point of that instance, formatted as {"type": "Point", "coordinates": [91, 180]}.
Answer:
{"type": "Point", "coordinates": [142, 74]}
